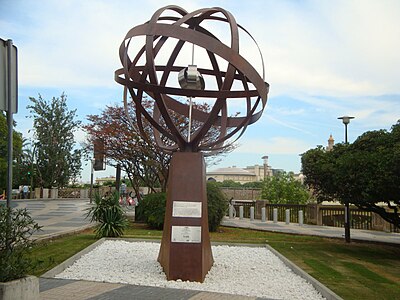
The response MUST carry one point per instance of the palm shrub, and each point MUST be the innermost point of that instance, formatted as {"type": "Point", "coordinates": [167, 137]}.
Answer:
{"type": "Point", "coordinates": [110, 216]}
{"type": "Point", "coordinates": [152, 208]}
{"type": "Point", "coordinates": [16, 229]}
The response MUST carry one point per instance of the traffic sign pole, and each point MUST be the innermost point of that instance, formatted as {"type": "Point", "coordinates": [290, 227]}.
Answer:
{"type": "Point", "coordinates": [9, 124]}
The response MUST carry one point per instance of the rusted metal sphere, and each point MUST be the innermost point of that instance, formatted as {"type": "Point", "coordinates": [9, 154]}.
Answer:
{"type": "Point", "coordinates": [142, 77]}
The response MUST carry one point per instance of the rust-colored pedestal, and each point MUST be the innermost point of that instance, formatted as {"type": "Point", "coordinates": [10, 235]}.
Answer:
{"type": "Point", "coordinates": [185, 251]}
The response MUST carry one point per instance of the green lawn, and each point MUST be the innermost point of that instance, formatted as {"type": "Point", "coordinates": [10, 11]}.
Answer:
{"type": "Point", "coordinates": [353, 271]}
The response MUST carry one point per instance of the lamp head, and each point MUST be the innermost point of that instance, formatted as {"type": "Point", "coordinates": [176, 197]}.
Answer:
{"type": "Point", "coordinates": [346, 119]}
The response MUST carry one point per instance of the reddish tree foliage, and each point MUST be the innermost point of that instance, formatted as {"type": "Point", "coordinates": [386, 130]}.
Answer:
{"type": "Point", "coordinates": [138, 156]}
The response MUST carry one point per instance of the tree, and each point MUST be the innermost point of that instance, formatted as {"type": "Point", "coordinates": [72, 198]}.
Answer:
{"type": "Point", "coordinates": [283, 188]}
{"type": "Point", "coordinates": [229, 183]}
{"type": "Point", "coordinates": [57, 160]}
{"type": "Point", "coordinates": [365, 173]}
{"type": "Point", "coordinates": [123, 145]}
{"type": "Point", "coordinates": [138, 157]}
{"type": "Point", "coordinates": [17, 150]}
{"type": "Point", "coordinates": [254, 184]}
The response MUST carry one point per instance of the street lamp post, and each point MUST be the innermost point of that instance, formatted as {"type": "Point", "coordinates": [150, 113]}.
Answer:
{"type": "Point", "coordinates": [347, 215]}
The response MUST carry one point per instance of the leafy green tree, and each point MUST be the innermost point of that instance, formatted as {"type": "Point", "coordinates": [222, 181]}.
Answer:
{"type": "Point", "coordinates": [230, 184]}
{"type": "Point", "coordinates": [17, 150]}
{"type": "Point", "coordinates": [365, 173]}
{"type": "Point", "coordinates": [283, 188]}
{"type": "Point", "coordinates": [140, 158]}
{"type": "Point", "coordinates": [57, 160]}
{"type": "Point", "coordinates": [254, 184]}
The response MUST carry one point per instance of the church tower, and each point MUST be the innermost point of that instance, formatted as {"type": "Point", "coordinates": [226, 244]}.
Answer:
{"type": "Point", "coordinates": [331, 142]}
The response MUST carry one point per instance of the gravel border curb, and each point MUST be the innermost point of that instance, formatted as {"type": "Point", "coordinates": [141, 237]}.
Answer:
{"type": "Point", "coordinates": [68, 262]}
{"type": "Point", "coordinates": [325, 292]}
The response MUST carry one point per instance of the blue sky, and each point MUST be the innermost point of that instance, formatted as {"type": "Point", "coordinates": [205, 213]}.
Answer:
{"type": "Point", "coordinates": [323, 59]}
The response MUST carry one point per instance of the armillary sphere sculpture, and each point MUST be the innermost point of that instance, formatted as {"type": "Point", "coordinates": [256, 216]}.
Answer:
{"type": "Point", "coordinates": [185, 251]}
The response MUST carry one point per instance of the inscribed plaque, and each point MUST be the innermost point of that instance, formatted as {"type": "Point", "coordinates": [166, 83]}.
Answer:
{"type": "Point", "coordinates": [186, 209]}
{"type": "Point", "coordinates": [186, 234]}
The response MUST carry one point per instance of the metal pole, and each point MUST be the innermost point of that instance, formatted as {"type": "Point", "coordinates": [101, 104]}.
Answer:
{"type": "Point", "coordinates": [91, 180]}
{"type": "Point", "coordinates": [118, 178]}
{"type": "Point", "coordinates": [190, 103]}
{"type": "Point", "coordinates": [347, 206]}
{"type": "Point", "coordinates": [9, 124]}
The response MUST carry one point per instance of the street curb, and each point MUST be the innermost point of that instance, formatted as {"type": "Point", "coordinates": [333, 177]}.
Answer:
{"type": "Point", "coordinates": [56, 235]}
{"type": "Point", "coordinates": [325, 292]}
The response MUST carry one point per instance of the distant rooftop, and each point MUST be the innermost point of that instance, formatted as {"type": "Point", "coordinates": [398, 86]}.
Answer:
{"type": "Point", "coordinates": [230, 170]}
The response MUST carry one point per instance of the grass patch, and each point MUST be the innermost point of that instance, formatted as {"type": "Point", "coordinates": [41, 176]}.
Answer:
{"type": "Point", "coordinates": [47, 255]}
{"type": "Point", "coordinates": [353, 271]}
{"type": "Point", "coordinates": [321, 269]}
{"type": "Point", "coordinates": [366, 273]}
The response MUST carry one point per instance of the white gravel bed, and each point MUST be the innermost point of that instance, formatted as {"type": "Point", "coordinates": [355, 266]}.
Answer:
{"type": "Point", "coordinates": [237, 270]}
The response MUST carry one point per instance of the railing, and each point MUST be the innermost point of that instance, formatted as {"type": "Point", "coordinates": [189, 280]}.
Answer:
{"type": "Point", "coordinates": [312, 214]}
{"type": "Point", "coordinates": [334, 216]}
{"type": "Point", "coordinates": [294, 212]}
{"type": "Point", "coordinates": [246, 207]}
{"type": "Point", "coordinates": [69, 193]}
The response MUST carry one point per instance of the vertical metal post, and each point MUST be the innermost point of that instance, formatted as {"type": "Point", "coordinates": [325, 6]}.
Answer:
{"type": "Point", "coordinates": [347, 206]}
{"type": "Point", "coordinates": [118, 178]}
{"type": "Point", "coordinates": [347, 214]}
{"type": "Point", "coordinates": [9, 124]}
{"type": "Point", "coordinates": [91, 181]}
{"type": "Point", "coordinates": [190, 104]}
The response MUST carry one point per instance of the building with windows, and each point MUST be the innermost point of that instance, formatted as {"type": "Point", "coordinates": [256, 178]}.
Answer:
{"type": "Point", "coordinates": [243, 175]}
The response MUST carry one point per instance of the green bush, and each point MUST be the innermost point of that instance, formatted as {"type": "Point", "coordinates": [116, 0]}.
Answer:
{"type": "Point", "coordinates": [152, 208]}
{"type": "Point", "coordinates": [109, 214]}
{"type": "Point", "coordinates": [15, 243]}
{"type": "Point", "coordinates": [217, 206]}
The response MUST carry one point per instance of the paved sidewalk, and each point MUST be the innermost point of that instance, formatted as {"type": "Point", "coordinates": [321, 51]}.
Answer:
{"type": "Point", "coordinates": [325, 231]}
{"type": "Point", "coordinates": [56, 216]}
{"type": "Point", "coordinates": [65, 289]}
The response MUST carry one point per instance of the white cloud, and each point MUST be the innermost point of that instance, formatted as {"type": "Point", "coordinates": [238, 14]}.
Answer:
{"type": "Point", "coordinates": [274, 145]}
{"type": "Point", "coordinates": [343, 48]}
